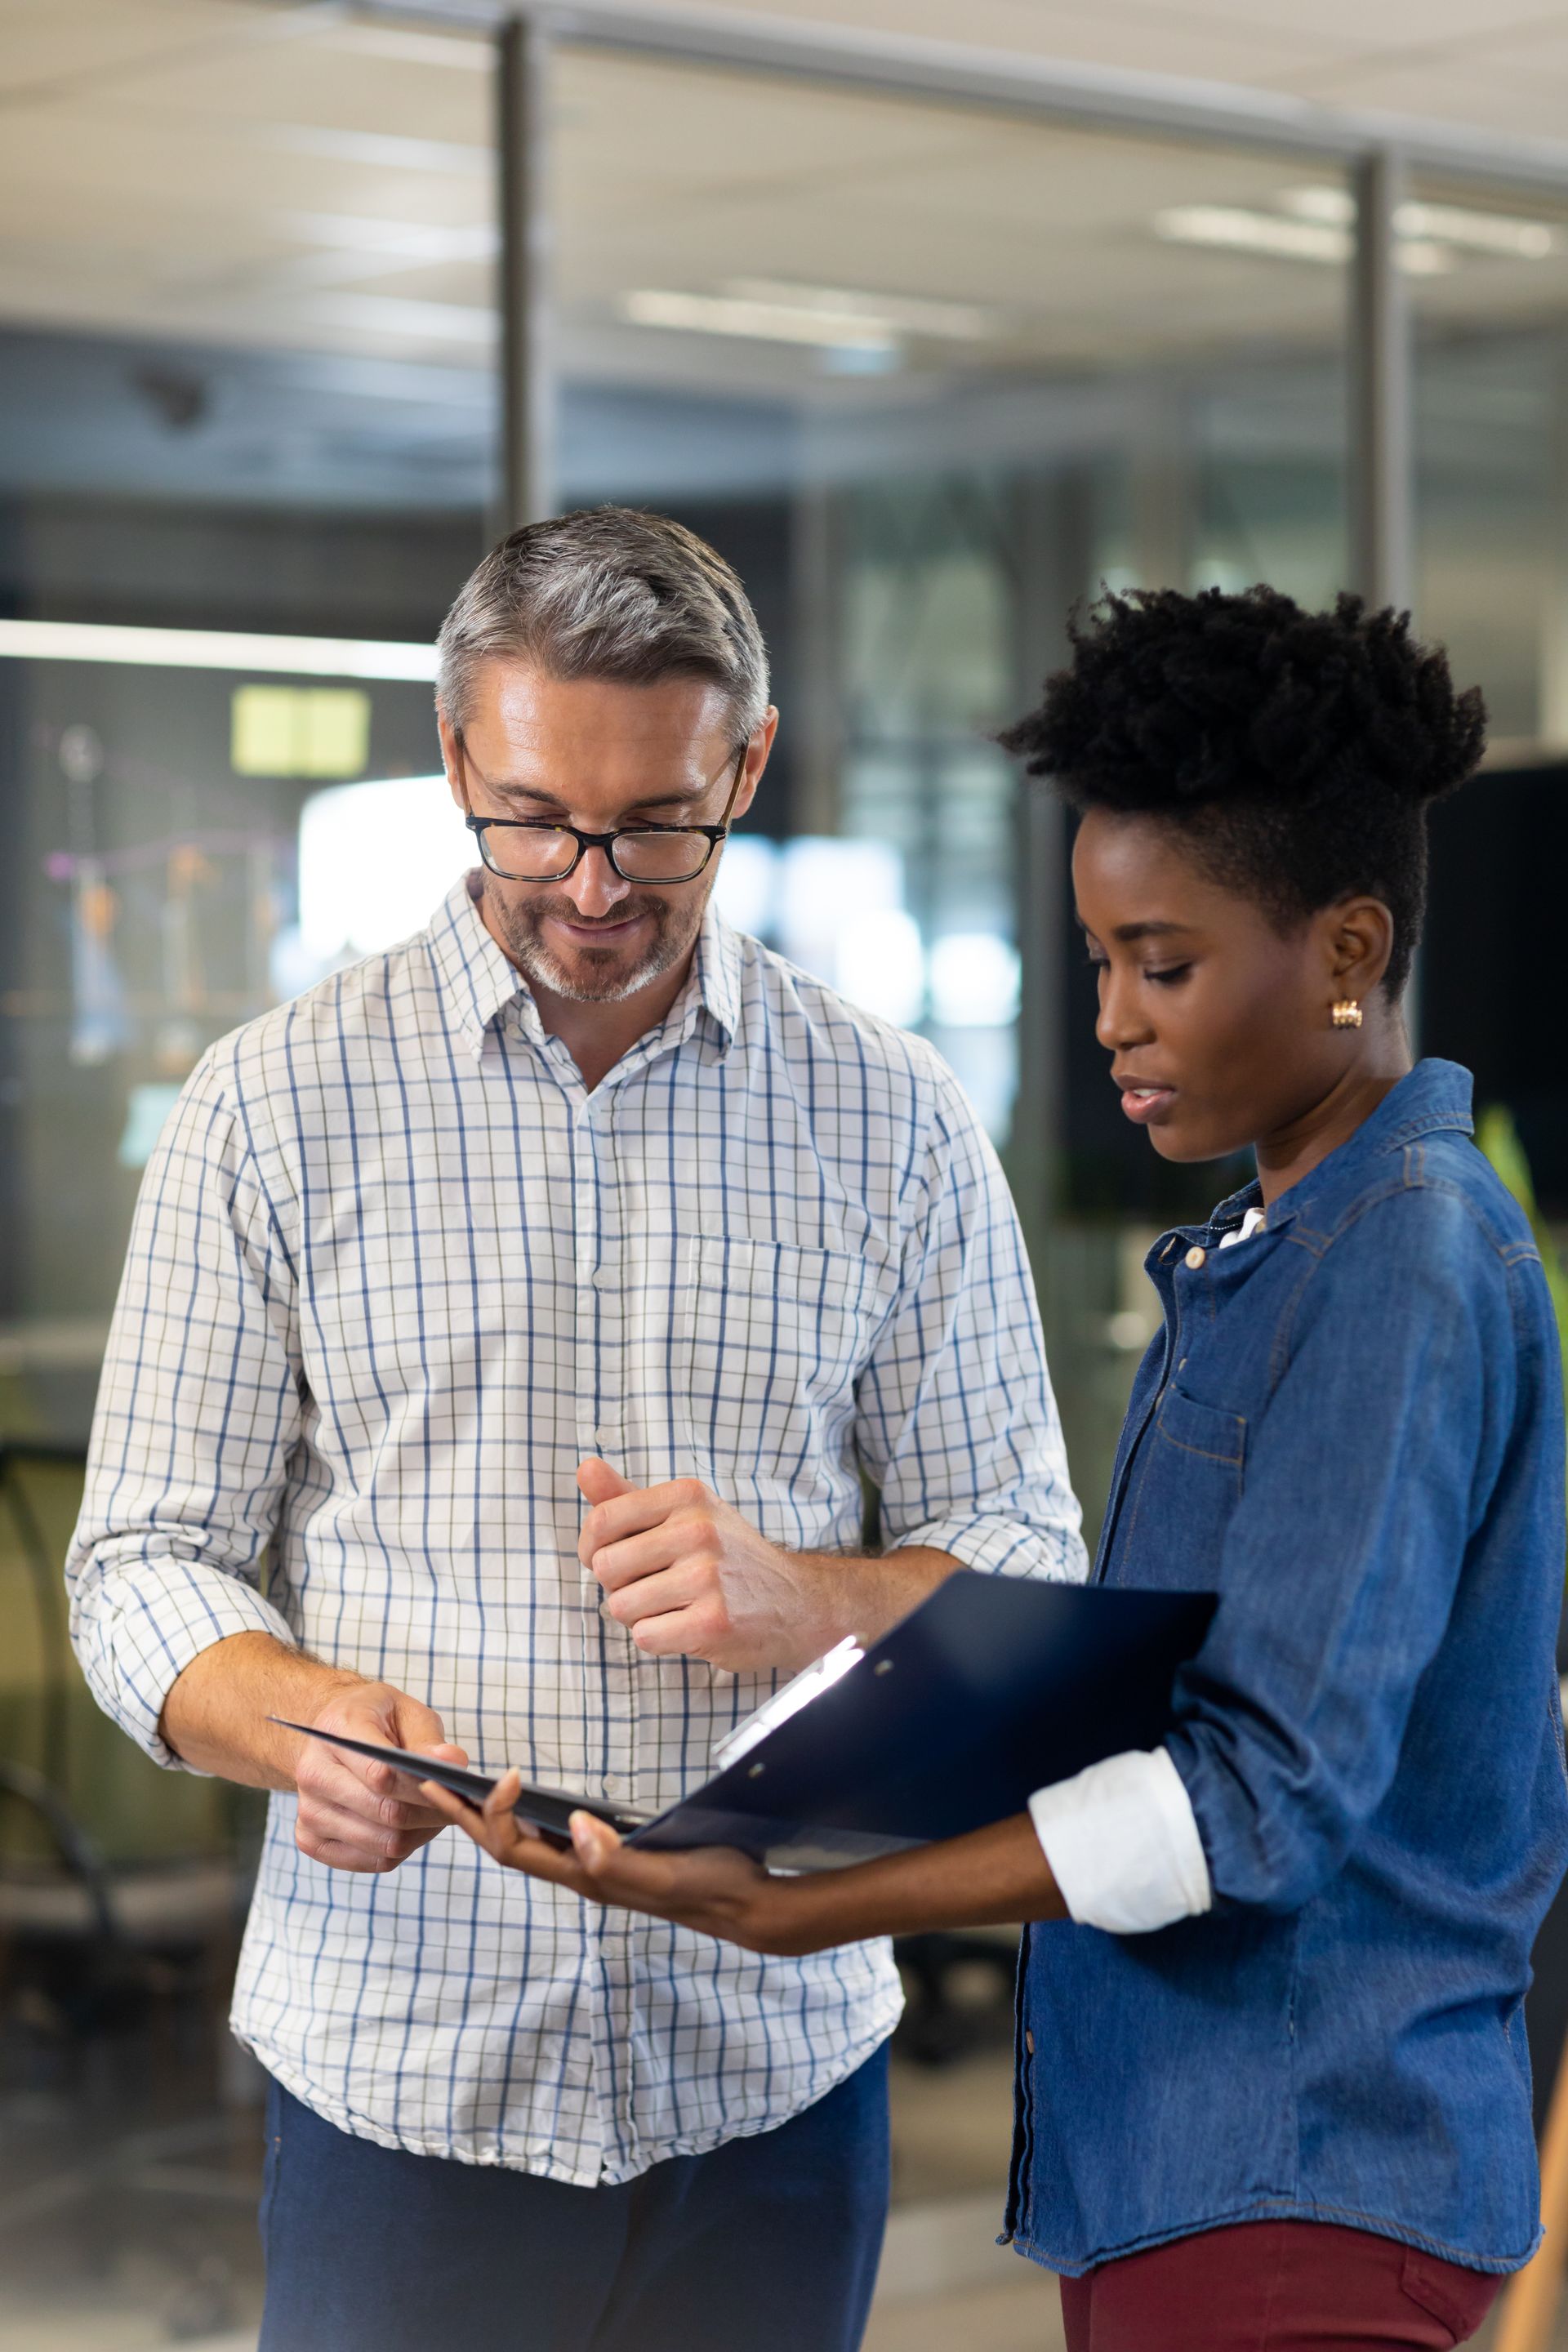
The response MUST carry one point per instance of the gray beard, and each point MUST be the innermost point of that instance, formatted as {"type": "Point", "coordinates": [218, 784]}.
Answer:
{"type": "Point", "coordinates": [597, 976]}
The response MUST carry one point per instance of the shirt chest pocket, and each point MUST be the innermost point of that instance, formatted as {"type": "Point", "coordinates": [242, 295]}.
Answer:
{"type": "Point", "coordinates": [774, 1337]}
{"type": "Point", "coordinates": [1188, 1480]}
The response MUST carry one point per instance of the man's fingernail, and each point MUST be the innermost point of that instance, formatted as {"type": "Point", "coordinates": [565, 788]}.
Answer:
{"type": "Point", "coordinates": [585, 1836]}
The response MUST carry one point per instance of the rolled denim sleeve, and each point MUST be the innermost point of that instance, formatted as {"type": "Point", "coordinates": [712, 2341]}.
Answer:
{"type": "Point", "coordinates": [1339, 1564]}
{"type": "Point", "coordinates": [198, 1408]}
{"type": "Point", "coordinates": [955, 1419]}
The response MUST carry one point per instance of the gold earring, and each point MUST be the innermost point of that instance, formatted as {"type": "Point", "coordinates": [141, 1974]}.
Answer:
{"type": "Point", "coordinates": [1347, 1013]}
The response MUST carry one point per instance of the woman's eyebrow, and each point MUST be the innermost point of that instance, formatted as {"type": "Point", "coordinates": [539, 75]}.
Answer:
{"type": "Point", "coordinates": [1126, 932]}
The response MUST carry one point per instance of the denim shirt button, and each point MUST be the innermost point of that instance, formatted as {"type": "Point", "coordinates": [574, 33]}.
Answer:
{"type": "Point", "coordinates": [1195, 1257]}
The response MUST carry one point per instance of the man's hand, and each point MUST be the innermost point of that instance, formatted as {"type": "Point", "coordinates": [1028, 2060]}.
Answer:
{"type": "Point", "coordinates": [690, 1578]}
{"type": "Point", "coordinates": [353, 1814]}
{"type": "Point", "coordinates": [356, 1814]}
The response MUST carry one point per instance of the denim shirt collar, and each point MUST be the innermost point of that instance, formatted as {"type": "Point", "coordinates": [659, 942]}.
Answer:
{"type": "Point", "coordinates": [1435, 1096]}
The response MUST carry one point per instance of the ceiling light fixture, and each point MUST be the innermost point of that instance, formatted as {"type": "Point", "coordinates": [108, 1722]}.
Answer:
{"type": "Point", "coordinates": [760, 321]}
{"type": "Point", "coordinates": [1238, 230]}
{"type": "Point", "coordinates": [92, 641]}
{"type": "Point", "coordinates": [1233, 228]}
{"type": "Point", "coordinates": [916, 314]}
{"type": "Point", "coordinates": [1507, 233]}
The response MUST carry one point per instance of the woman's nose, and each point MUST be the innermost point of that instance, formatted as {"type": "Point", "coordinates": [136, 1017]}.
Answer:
{"type": "Point", "coordinates": [1122, 1021]}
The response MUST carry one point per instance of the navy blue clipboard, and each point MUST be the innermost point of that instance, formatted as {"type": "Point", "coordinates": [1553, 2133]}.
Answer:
{"type": "Point", "coordinates": [993, 1687]}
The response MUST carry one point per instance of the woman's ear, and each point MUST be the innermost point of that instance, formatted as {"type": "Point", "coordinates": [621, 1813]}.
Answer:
{"type": "Point", "coordinates": [1359, 936]}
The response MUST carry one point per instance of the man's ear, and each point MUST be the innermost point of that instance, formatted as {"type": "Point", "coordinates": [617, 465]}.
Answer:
{"type": "Point", "coordinates": [448, 736]}
{"type": "Point", "coordinates": [1359, 938]}
{"type": "Point", "coordinates": [757, 751]}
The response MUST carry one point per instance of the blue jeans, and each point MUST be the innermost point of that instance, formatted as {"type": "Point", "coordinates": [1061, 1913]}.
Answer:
{"type": "Point", "coordinates": [765, 2245]}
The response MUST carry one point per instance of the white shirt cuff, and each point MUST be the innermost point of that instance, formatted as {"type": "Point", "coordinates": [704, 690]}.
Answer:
{"type": "Point", "coordinates": [1123, 1844]}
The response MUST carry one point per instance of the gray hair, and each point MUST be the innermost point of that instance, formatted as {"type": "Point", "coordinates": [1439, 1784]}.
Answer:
{"type": "Point", "coordinates": [609, 592]}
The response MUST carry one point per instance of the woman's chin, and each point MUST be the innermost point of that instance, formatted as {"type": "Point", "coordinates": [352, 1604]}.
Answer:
{"type": "Point", "coordinates": [1174, 1138]}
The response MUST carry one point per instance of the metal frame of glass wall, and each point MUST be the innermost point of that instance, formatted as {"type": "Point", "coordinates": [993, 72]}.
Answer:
{"type": "Point", "coordinates": [1379, 152]}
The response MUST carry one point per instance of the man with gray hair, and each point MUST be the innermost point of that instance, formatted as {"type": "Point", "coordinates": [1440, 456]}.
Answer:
{"type": "Point", "coordinates": [577, 1197]}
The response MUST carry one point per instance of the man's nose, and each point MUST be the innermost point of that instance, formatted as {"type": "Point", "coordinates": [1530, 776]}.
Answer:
{"type": "Point", "coordinates": [596, 887]}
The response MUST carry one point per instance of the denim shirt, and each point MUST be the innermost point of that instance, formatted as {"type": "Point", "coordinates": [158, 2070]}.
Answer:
{"type": "Point", "coordinates": [1351, 1429]}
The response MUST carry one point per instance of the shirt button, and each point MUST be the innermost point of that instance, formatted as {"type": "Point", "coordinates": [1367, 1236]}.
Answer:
{"type": "Point", "coordinates": [1029, 2043]}
{"type": "Point", "coordinates": [1195, 1257]}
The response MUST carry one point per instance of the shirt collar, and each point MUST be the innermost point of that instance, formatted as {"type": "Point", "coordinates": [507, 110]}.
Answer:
{"type": "Point", "coordinates": [480, 982]}
{"type": "Point", "coordinates": [476, 979]}
{"type": "Point", "coordinates": [1435, 1096]}
{"type": "Point", "coordinates": [718, 972]}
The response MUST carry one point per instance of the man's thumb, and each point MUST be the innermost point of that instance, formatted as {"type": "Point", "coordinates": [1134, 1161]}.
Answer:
{"type": "Point", "coordinates": [597, 1483]}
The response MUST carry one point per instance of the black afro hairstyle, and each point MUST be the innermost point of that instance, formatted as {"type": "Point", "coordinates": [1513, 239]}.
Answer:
{"type": "Point", "coordinates": [1295, 753]}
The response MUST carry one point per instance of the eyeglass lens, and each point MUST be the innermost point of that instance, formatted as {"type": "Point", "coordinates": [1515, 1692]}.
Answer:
{"type": "Point", "coordinates": [526, 855]}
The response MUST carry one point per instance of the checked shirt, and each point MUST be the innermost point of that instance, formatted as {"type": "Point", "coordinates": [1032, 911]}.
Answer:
{"type": "Point", "coordinates": [394, 1273]}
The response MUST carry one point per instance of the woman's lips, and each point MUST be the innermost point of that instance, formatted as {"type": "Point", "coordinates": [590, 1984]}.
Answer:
{"type": "Point", "coordinates": [1145, 1104]}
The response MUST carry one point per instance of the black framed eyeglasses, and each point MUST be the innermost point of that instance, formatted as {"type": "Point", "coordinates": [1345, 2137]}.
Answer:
{"type": "Point", "coordinates": [543, 849]}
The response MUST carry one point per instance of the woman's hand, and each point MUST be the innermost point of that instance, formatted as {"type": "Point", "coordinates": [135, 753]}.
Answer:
{"type": "Point", "coordinates": [715, 1889]}
{"type": "Point", "coordinates": [991, 1877]}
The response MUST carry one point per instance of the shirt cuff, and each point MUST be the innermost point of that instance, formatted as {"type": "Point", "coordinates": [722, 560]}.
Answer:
{"type": "Point", "coordinates": [1003, 1547]}
{"type": "Point", "coordinates": [1123, 1844]}
{"type": "Point", "coordinates": [138, 1625]}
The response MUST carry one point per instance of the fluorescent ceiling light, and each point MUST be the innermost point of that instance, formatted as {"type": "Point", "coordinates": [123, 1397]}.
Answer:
{"type": "Point", "coordinates": [1236, 230]}
{"type": "Point", "coordinates": [768, 322]}
{"type": "Point", "coordinates": [1508, 234]}
{"type": "Point", "coordinates": [1518, 240]}
{"type": "Point", "coordinates": [90, 641]}
{"type": "Point", "coordinates": [1232, 228]}
{"type": "Point", "coordinates": [381, 150]}
{"type": "Point", "coordinates": [960, 322]}
{"type": "Point", "coordinates": [412, 240]}
{"type": "Point", "coordinates": [405, 319]}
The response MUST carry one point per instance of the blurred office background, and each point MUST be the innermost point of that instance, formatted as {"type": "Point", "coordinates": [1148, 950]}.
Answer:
{"type": "Point", "coordinates": [930, 341]}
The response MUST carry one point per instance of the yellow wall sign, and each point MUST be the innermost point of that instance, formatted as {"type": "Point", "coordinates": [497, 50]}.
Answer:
{"type": "Point", "coordinates": [300, 731]}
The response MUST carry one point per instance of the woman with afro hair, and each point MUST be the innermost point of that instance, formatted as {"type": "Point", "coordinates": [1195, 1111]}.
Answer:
{"type": "Point", "coordinates": [1273, 2087]}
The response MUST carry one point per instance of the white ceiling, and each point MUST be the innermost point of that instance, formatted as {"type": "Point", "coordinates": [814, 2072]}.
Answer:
{"type": "Point", "coordinates": [302, 178]}
{"type": "Point", "coordinates": [1501, 65]}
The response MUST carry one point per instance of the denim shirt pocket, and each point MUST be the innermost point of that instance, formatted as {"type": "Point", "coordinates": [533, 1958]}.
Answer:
{"type": "Point", "coordinates": [1216, 1438]}
{"type": "Point", "coordinates": [1187, 1483]}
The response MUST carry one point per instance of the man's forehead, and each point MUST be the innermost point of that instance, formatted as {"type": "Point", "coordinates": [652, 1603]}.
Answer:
{"type": "Point", "coordinates": [536, 715]}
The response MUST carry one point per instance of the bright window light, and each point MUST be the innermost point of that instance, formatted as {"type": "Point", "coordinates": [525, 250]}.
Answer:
{"type": "Point", "coordinates": [90, 641]}
{"type": "Point", "coordinates": [880, 965]}
{"type": "Point", "coordinates": [376, 860]}
{"type": "Point", "coordinates": [825, 885]}
{"type": "Point", "coordinates": [746, 892]}
{"type": "Point", "coordinates": [974, 979]}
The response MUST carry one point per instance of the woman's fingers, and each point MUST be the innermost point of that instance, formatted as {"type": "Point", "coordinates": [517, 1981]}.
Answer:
{"type": "Point", "coordinates": [496, 1828]}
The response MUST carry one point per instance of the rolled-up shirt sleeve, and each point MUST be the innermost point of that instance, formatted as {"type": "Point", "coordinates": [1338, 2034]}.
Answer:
{"type": "Point", "coordinates": [956, 1422]}
{"type": "Point", "coordinates": [1123, 1844]}
{"type": "Point", "coordinates": [199, 1405]}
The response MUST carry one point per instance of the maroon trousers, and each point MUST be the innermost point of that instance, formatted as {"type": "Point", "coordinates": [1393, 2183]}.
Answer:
{"type": "Point", "coordinates": [1275, 2286]}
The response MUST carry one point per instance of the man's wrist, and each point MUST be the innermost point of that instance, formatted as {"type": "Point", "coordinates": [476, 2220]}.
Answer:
{"type": "Point", "coordinates": [871, 1592]}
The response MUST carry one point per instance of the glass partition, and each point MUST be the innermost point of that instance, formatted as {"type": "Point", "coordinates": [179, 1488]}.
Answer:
{"type": "Point", "coordinates": [939, 371]}
{"type": "Point", "coordinates": [1489, 288]}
